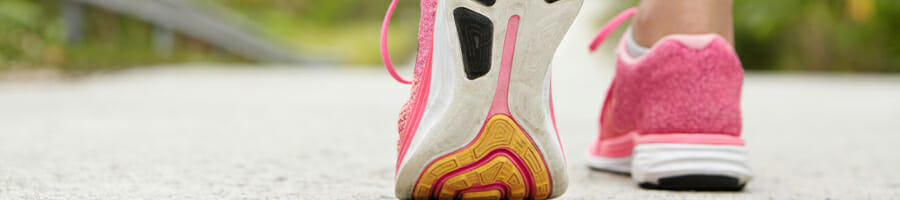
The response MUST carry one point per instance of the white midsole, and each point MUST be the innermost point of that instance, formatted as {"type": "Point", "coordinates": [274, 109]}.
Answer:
{"type": "Point", "coordinates": [651, 162]}
{"type": "Point", "coordinates": [618, 165]}
{"type": "Point", "coordinates": [457, 107]}
{"type": "Point", "coordinates": [654, 161]}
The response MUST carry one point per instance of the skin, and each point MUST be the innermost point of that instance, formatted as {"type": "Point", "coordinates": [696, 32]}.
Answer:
{"type": "Point", "coordinates": [656, 19]}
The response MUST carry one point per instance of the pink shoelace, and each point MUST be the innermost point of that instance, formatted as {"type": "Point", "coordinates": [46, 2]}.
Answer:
{"type": "Point", "coordinates": [389, 65]}
{"type": "Point", "coordinates": [385, 54]}
{"type": "Point", "coordinates": [611, 26]}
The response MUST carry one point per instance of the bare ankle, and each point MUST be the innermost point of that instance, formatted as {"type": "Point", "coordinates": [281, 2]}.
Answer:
{"type": "Point", "coordinates": [656, 19]}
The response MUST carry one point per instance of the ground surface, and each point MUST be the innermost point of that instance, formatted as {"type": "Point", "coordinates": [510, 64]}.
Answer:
{"type": "Point", "coordinates": [324, 134]}
{"type": "Point", "coordinates": [319, 133]}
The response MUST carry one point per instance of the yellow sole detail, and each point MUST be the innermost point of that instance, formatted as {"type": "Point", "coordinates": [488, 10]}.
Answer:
{"type": "Point", "coordinates": [501, 136]}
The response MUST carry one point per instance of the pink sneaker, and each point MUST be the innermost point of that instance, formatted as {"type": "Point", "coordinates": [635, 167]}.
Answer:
{"type": "Point", "coordinates": [672, 117]}
{"type": "Point", "coordinates": [479, 123]}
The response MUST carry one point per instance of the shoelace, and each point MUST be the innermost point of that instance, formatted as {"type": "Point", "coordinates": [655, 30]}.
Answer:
{"type": "Point", "coordinates": [611, 26]}
{"type": "Point", "coordinates": [385, 54]}
{"type": "Point", "coordinates": [389, 65]}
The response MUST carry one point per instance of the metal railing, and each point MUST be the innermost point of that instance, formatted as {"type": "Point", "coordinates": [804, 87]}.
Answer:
{"type": "Point", "coordinates": [208, 23]}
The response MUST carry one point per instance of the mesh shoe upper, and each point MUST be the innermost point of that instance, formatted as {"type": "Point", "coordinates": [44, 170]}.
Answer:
{"type": "Point", "coordinates": [412, 110]}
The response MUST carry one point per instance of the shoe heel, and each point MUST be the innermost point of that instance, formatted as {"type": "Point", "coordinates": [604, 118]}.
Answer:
{"type": "Point", "coordinates": [487, 130]}
{"type": "Point", "coordinates": [690, 166]}
{"type": "Point", "coordinates": [501, 163]}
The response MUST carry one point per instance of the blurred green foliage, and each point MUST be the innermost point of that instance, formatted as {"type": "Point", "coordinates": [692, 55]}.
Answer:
{"type": "Point", "coordinates": [23, 36]}
{"type": "Point", "coordinates": [32, 37]}
{"type": "Point", "coordinates": [349, 28]}
{"type": "Point", "coordinates": [831, 35]}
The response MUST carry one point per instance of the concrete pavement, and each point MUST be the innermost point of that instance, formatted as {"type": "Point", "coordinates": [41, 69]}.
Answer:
{"type": "Point", "coordinates": [241, 133]}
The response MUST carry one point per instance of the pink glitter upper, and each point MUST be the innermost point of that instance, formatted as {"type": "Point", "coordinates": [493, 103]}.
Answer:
{"type": "Point", "coordinates": [689, 84]}
{"type": "Point", "coordinates": [412, 110]}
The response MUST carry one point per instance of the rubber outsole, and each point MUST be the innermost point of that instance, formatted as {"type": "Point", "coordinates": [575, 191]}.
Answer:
{"type": "Point", "coordinates": [476, 33]}
{"type": "Point", "coordinates": [487, 2]}
{"type": "Point", "coordinates": [501, 163]}
{"type": "Point", "coordinates": [697, 183]}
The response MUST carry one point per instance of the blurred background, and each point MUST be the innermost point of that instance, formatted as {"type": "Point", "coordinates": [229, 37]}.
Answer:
{"type": "Point", "coordinates": [83, 36]}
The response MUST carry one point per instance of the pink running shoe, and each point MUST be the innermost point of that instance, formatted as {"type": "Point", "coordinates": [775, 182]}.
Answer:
{"type": "Point", "coordinates": [479, 123]}
{"type": "Point", "coordinates": [672, 117]}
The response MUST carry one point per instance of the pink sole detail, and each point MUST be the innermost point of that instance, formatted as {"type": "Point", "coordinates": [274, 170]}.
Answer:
{"type": "Point", "coordinates": [500, 105]}
{"type": "Point", "coordinates": [623, 146]}
{"type": "Point", "coordinates": [711, 139]}
{"type": "Point", "coordinates": [505, 152]}
{"type": "Point", "coordinates": [616, 147]}
{"type": "Point", "coordinates": [556, 128]}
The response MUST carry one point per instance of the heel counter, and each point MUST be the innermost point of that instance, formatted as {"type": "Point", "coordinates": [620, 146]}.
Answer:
{"type": "Point", "coordinates": [693, 85]}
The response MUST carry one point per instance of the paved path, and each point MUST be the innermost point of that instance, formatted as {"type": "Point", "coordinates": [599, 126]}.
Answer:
{"type": "Point", "coordinates": [283, 133]}
{"type": "Point", "coordinates": [208, 133]}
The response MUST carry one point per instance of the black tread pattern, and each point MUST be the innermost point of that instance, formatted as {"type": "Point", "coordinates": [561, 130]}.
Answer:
{"type": "Point", "coordinates": [697, 183]}
{"type": "Point", "coordinates": [476, 36]}
{"type": "Point", "coordinates": [489, 2]}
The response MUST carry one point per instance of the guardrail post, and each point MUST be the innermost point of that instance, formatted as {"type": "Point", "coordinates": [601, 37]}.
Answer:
{"type": "Point", "coordinates": [163, 40]}
{"type": "Point", "coordinates": [72, 21]}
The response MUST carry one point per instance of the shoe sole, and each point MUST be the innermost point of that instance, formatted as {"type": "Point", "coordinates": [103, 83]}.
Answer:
{"type": "Point", "coordinates": [690, 167]}
{"type": "Point", "coordinates": [670, 166]}
{"type": "Point", "coordinates": [487, 131]}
